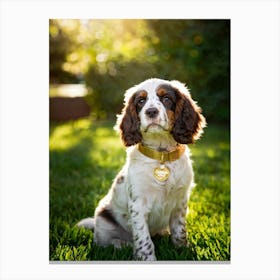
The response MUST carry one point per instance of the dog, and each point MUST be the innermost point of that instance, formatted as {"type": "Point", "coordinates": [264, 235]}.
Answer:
{"type": "Point", "coordinates": [149, 195]}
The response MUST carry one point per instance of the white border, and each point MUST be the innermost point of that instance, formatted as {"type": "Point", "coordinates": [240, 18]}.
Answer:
{"type": "Point", "coordinates": [254, 142]}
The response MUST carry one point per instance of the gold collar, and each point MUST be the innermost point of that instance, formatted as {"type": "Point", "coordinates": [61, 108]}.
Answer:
{"type": "Point", "coordinates": [162, 156]}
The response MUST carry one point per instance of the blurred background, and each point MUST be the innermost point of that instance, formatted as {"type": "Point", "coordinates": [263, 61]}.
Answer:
{"type": "Point", "coordinates": [93, 62]}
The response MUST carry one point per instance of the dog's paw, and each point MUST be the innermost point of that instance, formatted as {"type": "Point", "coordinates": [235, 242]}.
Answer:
{"type": "Point", "coordinates": [144, 257]}
{"type": "Point", "coordinates": [179, 242]}
{"type": "Point", "coordinates": [118, 243]}
{"type": "Point", "coordinates": [151, 258]}
{"type": "Point", "coordinates": [145, 254]}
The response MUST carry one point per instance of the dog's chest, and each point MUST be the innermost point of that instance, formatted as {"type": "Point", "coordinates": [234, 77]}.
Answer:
{"type": "Point", "coordinates": [158, 198]}
{"type": "Point", "coordinates": [161, 204]}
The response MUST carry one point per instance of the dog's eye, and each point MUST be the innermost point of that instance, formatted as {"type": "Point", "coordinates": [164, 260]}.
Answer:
{"type": "Point", "coordinates": [141, 101]}
{"type": "Point", "coordinates": [166, 100]}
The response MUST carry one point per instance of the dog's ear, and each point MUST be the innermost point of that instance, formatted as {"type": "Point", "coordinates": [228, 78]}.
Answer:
{"type": "Point", "coordinates": [128, 124]}
{"type": "Point", "coordinates": [188, 120]}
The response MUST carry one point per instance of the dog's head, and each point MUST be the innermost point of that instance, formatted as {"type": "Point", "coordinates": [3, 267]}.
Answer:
{"type": "Point", "coordinates": [157, 105]}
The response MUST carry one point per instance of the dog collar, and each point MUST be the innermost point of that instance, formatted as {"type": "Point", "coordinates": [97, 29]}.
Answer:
{"type": "Point", "coordinates": [162, 172]}
{"type": "Point", "coordinates": [162, 156]}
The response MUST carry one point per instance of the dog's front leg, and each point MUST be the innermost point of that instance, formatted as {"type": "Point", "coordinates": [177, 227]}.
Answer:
{"type": "Point", "coordinates": [143, 246]}
{"type": "Point", "coordinates": [178, 226]}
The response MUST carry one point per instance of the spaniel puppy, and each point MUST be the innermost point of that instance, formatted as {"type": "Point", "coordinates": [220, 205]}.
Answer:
{"type": "Point", "coordinates": [149, 195]}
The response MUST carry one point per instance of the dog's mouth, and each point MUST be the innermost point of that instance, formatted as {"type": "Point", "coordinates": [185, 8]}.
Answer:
{"type": "Point", "coordinates": [155, 126]}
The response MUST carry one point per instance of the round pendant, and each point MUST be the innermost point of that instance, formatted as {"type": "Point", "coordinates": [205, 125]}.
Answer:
{"type": "Point", "coordinates": [161, 173]}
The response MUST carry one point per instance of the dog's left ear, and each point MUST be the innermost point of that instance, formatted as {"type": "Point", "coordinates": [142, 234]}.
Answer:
{"type": "Point", "coordinates": [188, 120]}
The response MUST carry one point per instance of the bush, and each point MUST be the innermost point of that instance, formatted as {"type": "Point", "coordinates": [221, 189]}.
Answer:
{"type": "Point", "coordinates": [107, 91]}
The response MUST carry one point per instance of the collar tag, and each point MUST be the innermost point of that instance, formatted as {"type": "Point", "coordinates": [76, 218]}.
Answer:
{"type": "Point", "coordinates": [161, 173]}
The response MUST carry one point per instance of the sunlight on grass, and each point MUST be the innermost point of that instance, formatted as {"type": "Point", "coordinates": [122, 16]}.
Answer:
{"type": "Point", "coordinates": [65, 136]}
{"type": "Point", "coordinates": [62, 139]}
{"type": "Point", "coordinates": [108, 150]}
{"type": "Point", "coordinates": [104, 132]}
{"type": "Point", "coordinates": [105, 147]}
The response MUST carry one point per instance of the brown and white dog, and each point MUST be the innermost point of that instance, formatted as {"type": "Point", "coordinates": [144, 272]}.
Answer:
{"type": "Point", "coordinates": [149, 195]}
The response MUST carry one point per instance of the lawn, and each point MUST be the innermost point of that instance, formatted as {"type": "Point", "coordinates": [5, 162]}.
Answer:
{"type": "Point", "coordinates": [85, 156]}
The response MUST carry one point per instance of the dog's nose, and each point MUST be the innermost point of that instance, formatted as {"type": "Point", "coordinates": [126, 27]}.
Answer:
{"type": "Point", "coordinates": [152, 112]}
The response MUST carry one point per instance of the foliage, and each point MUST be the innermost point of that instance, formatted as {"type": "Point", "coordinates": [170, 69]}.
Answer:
{"type": "Point", "coordinates": [198, 54]}
{"type": "Point", "coordinates": [113, 55]}
{"type": "Point", "coordinates": [61, 43]}
{"type": "Point", "coordinates": [85, 157]}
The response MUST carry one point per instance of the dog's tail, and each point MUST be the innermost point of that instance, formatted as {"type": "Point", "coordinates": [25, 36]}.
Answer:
{"type": "Point", "coordinates": [87, 223]}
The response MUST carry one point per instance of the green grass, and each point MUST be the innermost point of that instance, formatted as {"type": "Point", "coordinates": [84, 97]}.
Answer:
{"type": "Point", "coordinates": [85, 156]}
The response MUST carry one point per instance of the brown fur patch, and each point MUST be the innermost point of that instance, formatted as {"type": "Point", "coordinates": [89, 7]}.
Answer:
{"type": "Point", "coordinates": [142, 93]}
{"type": "Point", "coordinates": [120, 179]}
{"type": "Point", "coordinates": [108, 216]}
{"type": "Point", "coordinates": [130, 124]}
{"type": "Point", "coordinates": [167, 90]}
{"type": "Point", "coordinates": [167, 96]}
{"type": "Point", "coordinates": [189, 122]}
{"type": "Point", "coordinates": [171, 118]}
{"type": "Point", "coordinates": [161, 91]}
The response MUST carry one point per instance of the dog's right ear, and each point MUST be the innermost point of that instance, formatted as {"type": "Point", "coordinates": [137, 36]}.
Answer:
{"type": "Point", "coordinates": [128, 123]}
